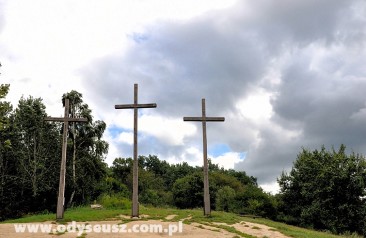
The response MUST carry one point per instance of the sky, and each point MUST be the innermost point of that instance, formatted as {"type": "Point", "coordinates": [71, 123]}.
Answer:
{"type": "Point", "coordinates": [285, 74]}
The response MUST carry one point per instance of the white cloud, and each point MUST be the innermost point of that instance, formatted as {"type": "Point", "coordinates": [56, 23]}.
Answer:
{"type": "Point", "coordinates": [125, 137]}
{"type": "Point", "coordinates": [170, 131]}
{"type": "Point", "coordinates": [227, 160]}
{"type": "Point", "coordinates": [273, 187]}
{"type": "Point", "coordinates": [284, 77]}
{"type": "Point", "coordinates": [193, 156]}
{"type": "Point", "coordinates": [256, 106]}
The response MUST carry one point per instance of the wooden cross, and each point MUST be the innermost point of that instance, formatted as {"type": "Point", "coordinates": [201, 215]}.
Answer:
{"type": "Point", "coordinates": [204, 119]}
{"type": "Point", "coordinates": [61, 189]}
{"type": "Point", "coordinates": [135, 106]}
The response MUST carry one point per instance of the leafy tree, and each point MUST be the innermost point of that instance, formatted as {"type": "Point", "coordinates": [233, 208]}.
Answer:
{"type": "Point", "coordinates": [180, 170]}
{"type": "Point", "coordinates": [5, 110]}
{"type": "Point", "coordinates": [112, 186]}
{"type": "Point", "coordinates": [225, 199]}
{"type": "Point", "coordinates": [8, 167]}
{"type": "Point", "coordinates": [242, 177]}
{"type": "Point", "coordinates": [34, 152]}
{"type": "Point", "coordinates": [152, 174]}
{"type": "Point", "coordinates": [325, 190]}
{"type": "Point", "coordinates": [188, 191]}
{"type": "Point", "coordinates": [5, 107]}
{"type": "Point", "coordinates": [122, 171]}
{"type": "Point", "coordinates": [76, 109]}
{"type": "Point", "coordinates": [218, 180]}
{"type": "Point", "coordinates": [28, 161]}
{"type": "Point", "coordinates": [253, 200]}
{"type": "Point", "coordinates": [87, 151]}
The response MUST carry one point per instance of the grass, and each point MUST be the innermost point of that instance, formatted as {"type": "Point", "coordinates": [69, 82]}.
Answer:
{"type": "Point", "coordinates": [78, 214]}
{"type": "Point", "coordinates": [82, 214]}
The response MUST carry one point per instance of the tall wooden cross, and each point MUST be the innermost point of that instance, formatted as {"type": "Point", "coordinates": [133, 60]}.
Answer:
{"type": "Point", "coordinates": [61, 189]}
{"type": "Point", "coordinates": [135, 106]}
{"type": "Point", "coordinates": [204, 119]}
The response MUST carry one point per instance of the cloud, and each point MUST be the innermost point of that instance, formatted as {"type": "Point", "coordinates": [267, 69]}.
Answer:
{"type": "Point", "coordinates": [180, 63]}
{"type": "Point", "coordinates": [319, 98]}
{"type": "Point", "coordinates": [285, 74]}
{"type": "Point", "coordinates": [2, 18]}
{"type": "Point", "coordinates": [227, 160]}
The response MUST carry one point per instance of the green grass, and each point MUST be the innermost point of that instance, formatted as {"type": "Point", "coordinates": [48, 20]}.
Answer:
{"type": "Point", "coordinates": [78, 214]}
{"type": "Point", "coordinates": [82, 214]}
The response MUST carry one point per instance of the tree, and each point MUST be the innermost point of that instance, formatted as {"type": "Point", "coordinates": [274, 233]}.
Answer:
{"type": "Point", "coordinates": [180, 170]}
{"type": "Point", "coordinates": [8, 182]}
{"type": "Point", "coordinates": [30, 150]}
{"type": "Point", "coordinates": [5, 107]}
{"type": "Point", "coordinates": [253, 200]}
{"type": "Point", "coordinates": [76, 109]}
{"type": "Point", "coordinates": [325, 190]}
{"type": "Point", "coordinates": [242, 177]}
{"type": "Point", "coordinates": [88, 150]}
{"type": "Point", "coordinates": [225, 199]}
{"type": "Point", "coordinates": [122, 171]}
{"type": "Point", "coordinates": [27, 159]}
{"type": "Point", "coordinates": [188, 191]}
{"type": "Point", "coordinates": [33, 149]}
{"type": "Point", "coordinates": [30, 160]}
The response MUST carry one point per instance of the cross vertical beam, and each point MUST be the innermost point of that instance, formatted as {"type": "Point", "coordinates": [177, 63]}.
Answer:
{"type": "Point", "coordinates": [61, 188]}
{"type": "Point", "coordinates": [204, 119]}
{"type": "Point", "coordinates": [135, 173]}
{"type": "Point", "coordinates": [135, 106]}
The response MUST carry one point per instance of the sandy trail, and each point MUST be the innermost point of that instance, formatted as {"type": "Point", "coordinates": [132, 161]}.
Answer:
{"type": "Point", "coordinates": [194, 230]}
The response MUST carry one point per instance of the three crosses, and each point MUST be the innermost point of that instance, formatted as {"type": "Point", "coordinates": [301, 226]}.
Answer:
{"type": "Point", "coordinates": [135, 106]}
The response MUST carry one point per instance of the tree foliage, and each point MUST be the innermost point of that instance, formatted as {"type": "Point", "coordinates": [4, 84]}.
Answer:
{"type": "Point", "coordinates": [325, 190]}
{"type": "Point", "coordinates": [225, 199]}
{"type": "Point", "coordinates": [28, 161]}
{"type": "Point", "coordinates": [30, 152]}
{"type": "Point", "coordinates": [87, 151]}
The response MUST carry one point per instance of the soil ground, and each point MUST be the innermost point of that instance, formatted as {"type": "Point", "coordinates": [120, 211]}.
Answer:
{"type": "Point", "coordinates": [194, 230]}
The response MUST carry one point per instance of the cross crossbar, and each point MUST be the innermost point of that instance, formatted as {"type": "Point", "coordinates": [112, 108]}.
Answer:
{"type": "Point", "coordinates": [69, 119]}
{"type": "Point", "coordinates": [203, 118]}
{"type": "Point", "coordinates": [131, 106]}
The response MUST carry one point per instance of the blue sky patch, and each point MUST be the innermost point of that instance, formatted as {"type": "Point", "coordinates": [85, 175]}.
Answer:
{"type": "Point", "coordinates": [139, 37]}
{"type": "Point", "coordinates": [115, 131]}
{"type": "Point", "coordinates": [218, 149]}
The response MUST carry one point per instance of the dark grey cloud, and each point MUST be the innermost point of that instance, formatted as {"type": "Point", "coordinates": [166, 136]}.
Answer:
{"type": "Point", "coordinates": [223, 55]}
{"type": "Point", "coordinates": [321, 99]}
{"type": "Point", "coordinates": [180, 63]}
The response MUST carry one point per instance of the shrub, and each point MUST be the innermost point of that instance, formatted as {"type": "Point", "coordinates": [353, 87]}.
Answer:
{"type": "Point", "coordinates": [114, 201]}
{"type": "Point", "coordinates": [225, 198]}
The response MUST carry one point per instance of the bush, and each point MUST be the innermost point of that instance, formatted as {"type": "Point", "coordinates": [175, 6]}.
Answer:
{"type": "Point", "coordinates": [114, 201]}
{"type": "Point", "coordinates": [156, 198]}
{"type": "Point", "coordinates": [188, 191]}
{"type": "Point", "coordinates": [255, 201]}
{"type": "Point", "coordinates": [225, 199]}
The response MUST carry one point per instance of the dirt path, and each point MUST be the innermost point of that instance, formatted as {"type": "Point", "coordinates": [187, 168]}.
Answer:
{"type": "Point", "coordinates": [125, 230]}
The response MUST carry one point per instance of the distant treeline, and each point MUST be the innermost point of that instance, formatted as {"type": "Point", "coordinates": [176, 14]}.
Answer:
{"type": "Point", "coordinates": [325, 190]}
